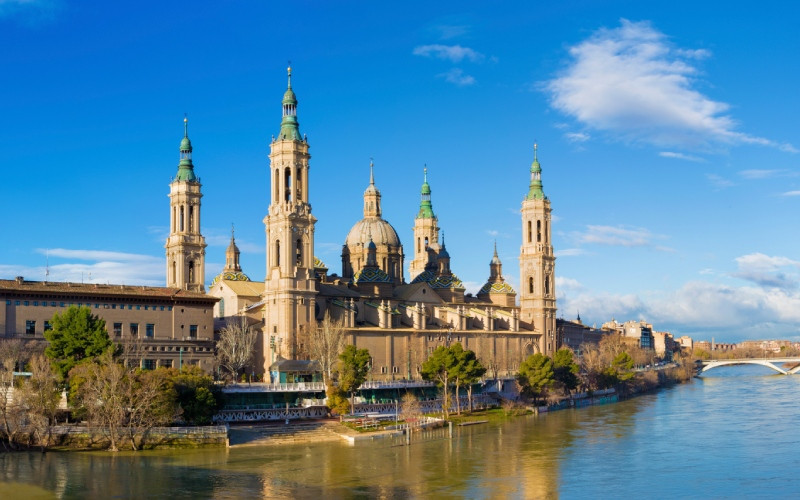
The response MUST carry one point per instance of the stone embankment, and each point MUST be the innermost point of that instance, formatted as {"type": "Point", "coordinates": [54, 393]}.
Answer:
{"type": "Point", "coordinates": [80, 437]}
{"type": "Point", "coordinates": [269, 434]}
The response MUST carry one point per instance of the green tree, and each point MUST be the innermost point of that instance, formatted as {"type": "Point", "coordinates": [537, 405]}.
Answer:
{"type": "Point", "coordinates": [441, 367]}
{"type": "Point", "coordinates": [536, 375]}
{"type": "Point", "coordinates": [352, 371]}
{"type": "Point", "coordinates": [468, 372]}
{"type": "Point", "coordinates": [76, 335]}
{"type": "Point", "coordinates": [623, 365]}
{"type": "Point", "coordinates": [565, 370]}
{"type": "Point", "coordinates": [337, 400]}
{"type": "Point", "coordinates": [196, 395]}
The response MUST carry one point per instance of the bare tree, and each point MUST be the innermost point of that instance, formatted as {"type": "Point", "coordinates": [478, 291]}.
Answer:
{"type": "Point", "coordinates": [152, 401]}
{"type": "Point", "coordinates": [12, 352]}
{"type": "Point", "coordinates": [410, 408]}
{"type": "Point", "coordinates": [326, 343]}
{"type": "Point", "coordinates": [236, 345]}
{"type": "Point", "coordinates": [40, 397]}
{"type": "Point", "coordinates": [104, 394]}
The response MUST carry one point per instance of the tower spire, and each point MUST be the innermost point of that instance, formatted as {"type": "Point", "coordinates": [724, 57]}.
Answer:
{"type": "Point", "coordinates": [425, 206]}
{"type": "Point", "coordinates": [535, 191]}
{"type": "Point", "coordinates": [290, 128]}
{"type": "Point", "coordinates": [372, 197]}
{"type": "Point", "coordinates": [185, 166]}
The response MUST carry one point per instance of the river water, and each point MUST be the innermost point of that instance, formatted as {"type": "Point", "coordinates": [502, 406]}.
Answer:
{"type": "Point", "coordinates": [732, 433]}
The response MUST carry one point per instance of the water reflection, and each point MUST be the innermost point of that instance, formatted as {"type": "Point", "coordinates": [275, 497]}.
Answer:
{"type": "Point", "coordinates": [721, 435]}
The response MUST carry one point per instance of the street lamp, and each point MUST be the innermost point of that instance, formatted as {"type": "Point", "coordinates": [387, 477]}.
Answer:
{"type": "Point", "coordinates": [180, 358]}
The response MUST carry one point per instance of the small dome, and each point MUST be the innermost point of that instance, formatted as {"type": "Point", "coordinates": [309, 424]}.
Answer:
{"type": "Point", "coordinates": [381, 231]}
{"type": "Point", "coordinates": [289, 97]}
{"type": "Point", "coordinates": [186, 144]}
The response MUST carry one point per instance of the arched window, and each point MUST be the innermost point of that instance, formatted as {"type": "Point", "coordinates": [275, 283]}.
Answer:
{"type": "Point", "coordinates": [547, 285]}
{"type": "Point", "coordinates": [384, 265]}
{"type": "Point", "coordinates": [174, 212]}
{"type": "Point", "coordinates": [174, 273]}
{"type": "Point", "coordinates": [191, 271]}
{"type": "Point", "coordinates": [538, 231]}
{"type": "Point", "coordinates": [547, 231]}
{"type": "Point", "coordinates": [191, 218]}
{"type": "Point", "coordinates": [299, 254]}
{"type": "Point", "coordinates": [181, 218]}
{"type": "Point", "coordinates": [276, 186]}
{"type": "Point", "coordinates": [426, 242]}
{"type": "Point", "coordinates": [287, 188]}
{"type": "Point", "coordinates": [530, 284]}
{"type": "Point", "coordinates": [277, 253]}
{"type": "Point", "coordinates": [299, 185]}
{"type": "Point", "coordinates": [419, 245]}
{"type": "Point", "coordinates": [530, 236]}
{"type": "Point", "coordinates": [221, 308]}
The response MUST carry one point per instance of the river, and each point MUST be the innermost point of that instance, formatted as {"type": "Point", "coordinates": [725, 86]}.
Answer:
{"type": "Point", "coordinates": [732, 433]}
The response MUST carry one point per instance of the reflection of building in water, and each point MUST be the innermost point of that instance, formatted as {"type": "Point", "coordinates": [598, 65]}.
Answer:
{"type": "Point", "coordinates": [399, 322]}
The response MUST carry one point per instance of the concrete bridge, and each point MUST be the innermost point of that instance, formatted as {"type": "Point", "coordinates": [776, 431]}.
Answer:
{"type": "Point", "coordinates": [773, 363]}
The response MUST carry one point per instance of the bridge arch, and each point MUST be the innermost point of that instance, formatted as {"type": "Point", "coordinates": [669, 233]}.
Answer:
{"type": "Point", "coordinates": [769, 363]}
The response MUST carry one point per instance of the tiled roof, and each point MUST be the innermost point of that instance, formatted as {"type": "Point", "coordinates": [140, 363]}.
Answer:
{"type": "Point", "coordinates": [96, 289]}
{"type": "Point", "coordinates": [246, 288]}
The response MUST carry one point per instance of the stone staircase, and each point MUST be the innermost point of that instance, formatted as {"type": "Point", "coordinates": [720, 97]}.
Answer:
{"type": "Point", "coordinates": [281, 434]}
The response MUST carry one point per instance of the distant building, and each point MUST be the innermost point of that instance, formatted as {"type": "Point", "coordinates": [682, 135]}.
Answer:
{"type": "Point", "coordinates": [773, 346]}
{"type": "Point", "coordinates": [686, 342]}
{"type": "Point", "coordinates": [577, 336]}
{"type": "Point", "coordinates": [665, 345]}
{"type": "Point", "coordinates": [176, 325]}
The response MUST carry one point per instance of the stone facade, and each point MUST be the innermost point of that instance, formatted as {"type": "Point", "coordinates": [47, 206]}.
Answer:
{"type": "Point", "coordinates": [176, 326]}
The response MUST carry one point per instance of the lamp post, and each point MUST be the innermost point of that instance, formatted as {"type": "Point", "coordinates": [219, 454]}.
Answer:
{"type": "Point", "coordinates": [180, 358]}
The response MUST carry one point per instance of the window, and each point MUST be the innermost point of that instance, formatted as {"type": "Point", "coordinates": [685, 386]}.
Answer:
{"type": "Point", "coordinates": [16, 303]}
{"type": "Point", "coordinates": [383, 369]}
{"type": "Point", "coordinates": [166, 363]}
{"type": "Point", "coordinates": [149, 364]}
{"type": "Point", "coordinates": [395, 369]}
{"type": "Point", "coordinates": [150, 330]}
{"type": "Point", "coordinates": [134, 329]}
{"type": "Point", "coordinates": [162, 307]}
{"type": "Point", "coordinates": [47, 326]}
{"type": "Point", "coordinates": [192, 331]}
{"type": "Point", "coordinates": [530, 284]}
{"type": "Point", "coordinates": [8, 302]}
{"type": "Point", "coordinates": [25, 302]}
{"type": "Point", "coordinates": [30, 327]}
{"type": "Point", "coordinates": [117, 329]}
{"type": "Point", "coordinates": [538, 231]}
{"type": "Point", "coordinates": [113, 306]}
{"type": "Point", "coordinates": [221, 308]}
{"type": "Point", "coordinates": [138, 307]}
{"type": "Point", "coordinates": [35, 302]}
{"type": "Point", "coordinates": [169, 308]}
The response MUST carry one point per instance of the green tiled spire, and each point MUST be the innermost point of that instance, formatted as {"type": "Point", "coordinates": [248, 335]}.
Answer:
{"type": "Point", "coordinates": [425, 207]}
{"type": "Point", "coordinates": [185, 167]}
{"type": "Point", "coordinates": [535, 192]}
{"type": "Point", "coordinates": [290, 128]}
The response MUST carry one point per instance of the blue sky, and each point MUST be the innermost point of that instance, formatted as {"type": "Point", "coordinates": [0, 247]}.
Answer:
{"type": "Point", "coordinates": [667, 135]}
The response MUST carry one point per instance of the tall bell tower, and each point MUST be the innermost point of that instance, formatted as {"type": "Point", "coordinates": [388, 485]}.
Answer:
{"type": "Point", "coordinates": [537, 263]}
{"type": "Point", "coordinates": [290, 291]}
{"type": "Point", "coordinates": [186, 247]}
{"type": "Point", "coordinates": [426, 232]}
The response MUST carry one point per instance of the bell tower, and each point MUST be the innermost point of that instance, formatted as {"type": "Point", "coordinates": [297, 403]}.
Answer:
{"type": "Point", "coordinates": [537, 263]}
{"type": "Point", "coordinates": [426, 233]}
{"type": "Point", "coordinates": [290, 289]}
{"type": "Point", "coordinates": [186, 247]}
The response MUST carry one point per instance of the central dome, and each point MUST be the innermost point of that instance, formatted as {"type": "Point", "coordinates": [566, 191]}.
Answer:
{"type": "Point", "coordinates": [382, 233]}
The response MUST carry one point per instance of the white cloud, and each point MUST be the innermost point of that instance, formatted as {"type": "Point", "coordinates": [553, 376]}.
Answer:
{"type": "Point", "coordinates": [458, 77]}
{"type": "Point", "coordinates": [791, 193]}
{"type": "Point", "coordinates": [766, 271]}
{"type": "Point", "coordinates": [570, 252]}
{"type": "Point", "coordinates": [719, 182]}
{"type": "Point", "coordinates": [680, 156]}
{"type": "Point", "coordinates": [577, 136]}
{"type": "Point", "coordinates": [453, 53]}
{"type": "Point", "coordinates": [633, 84]}
{"type": "Point", "coordinates": [94, 266]}
{"type": "Point", "coordinates": [617, 236]}
{"type": "Point", "coordinates": [760, 174]}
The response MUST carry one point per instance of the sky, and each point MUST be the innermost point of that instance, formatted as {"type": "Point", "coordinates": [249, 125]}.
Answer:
{"type": "Point", "coordinates": [667, 134]}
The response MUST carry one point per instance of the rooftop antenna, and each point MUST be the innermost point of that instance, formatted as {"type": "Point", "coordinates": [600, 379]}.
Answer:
{"type": "Point", "coordinates": [46, 265]}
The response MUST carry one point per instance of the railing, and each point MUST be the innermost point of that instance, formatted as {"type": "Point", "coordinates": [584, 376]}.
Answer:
{"type": "Point", "coordinates": [262, 387]}
{"type": "Point", "coordinates": [396, 384]}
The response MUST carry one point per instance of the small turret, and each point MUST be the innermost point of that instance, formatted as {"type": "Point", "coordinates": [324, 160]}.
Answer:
{"type": "Point", "coordinates": [425, 206]}
{"type": "Point", "coordinates": [535, 191]}
{"type": "Point", "coordinates": [290, 128]}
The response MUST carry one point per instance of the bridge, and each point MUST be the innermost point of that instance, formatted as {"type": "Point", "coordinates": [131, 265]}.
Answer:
{"type": "Point", "coordinates": [773, 363]}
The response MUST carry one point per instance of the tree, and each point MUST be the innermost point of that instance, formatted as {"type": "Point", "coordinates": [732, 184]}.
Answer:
{"type": "Point", "coordinates": [102, 390]}
{"type": "Point", "coordinates": [410, 407]}
{"type": "Point", "coordinates": [152, 401]}
{"type": "Point", "coordinates": [196, 395]}
{"type": "Point", "coordinates": [325, 343]}
{"type": "Point", "coordinates": [236, 344]}
{"type": "Point", "coordinates": [337, 400]}
{"type": "Point", "coordinates": [623, 366]}
{"type": "Point", "coordinates": [565, 370]}
{"type": "Point", "coordinates": [12, 353]}
{"type": "Point", "coordinates": [440, 367]}
{"type": "Point", "coordinates": [40, 397]}
{"type": "Point", "coordinates": [76, 335]}
{"type": "Point", "coordinates": [352, 370]}
{"type": "Point", "coordinates": [536, 375]}
{"type": "Point", "coordinates": [468, 371]}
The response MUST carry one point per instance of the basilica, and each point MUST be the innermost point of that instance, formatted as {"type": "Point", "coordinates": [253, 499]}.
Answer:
{"type": "Point", "coordinates": [399, 317]}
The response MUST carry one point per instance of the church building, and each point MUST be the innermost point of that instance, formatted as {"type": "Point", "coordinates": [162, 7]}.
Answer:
{"type": "Point", "coordinates": [400, 322]}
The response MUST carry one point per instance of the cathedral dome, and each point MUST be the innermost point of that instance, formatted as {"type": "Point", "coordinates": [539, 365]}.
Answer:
{"type": "Point", "coordinates": [383, 234]}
